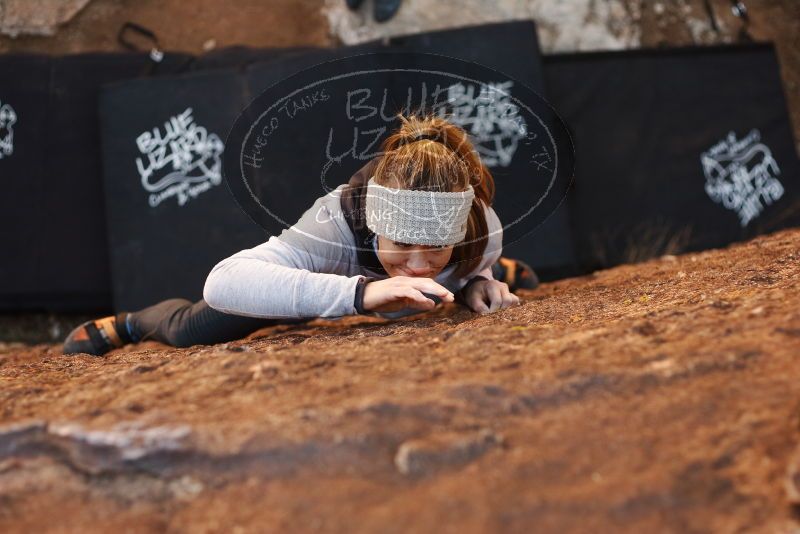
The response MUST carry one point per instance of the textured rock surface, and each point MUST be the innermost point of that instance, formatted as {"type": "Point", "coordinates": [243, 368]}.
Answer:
{"type": "Point", "coordinates": [36, 17]}
{"type": "Point", "coordinates": [564, 25]}
{"type": "Point", "coordinates": [659, 397]}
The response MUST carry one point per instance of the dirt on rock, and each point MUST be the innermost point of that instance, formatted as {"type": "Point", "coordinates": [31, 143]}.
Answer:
{"type": "Point", "coordinates": [658, 397]}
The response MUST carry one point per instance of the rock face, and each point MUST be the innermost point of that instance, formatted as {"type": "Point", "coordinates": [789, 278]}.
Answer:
{"type": "Point", "coordinates": [563, 25]}
{"type": "Point", "coordinates": [658, 397]}
{"type": "Point", "coordinates": [36, 17]}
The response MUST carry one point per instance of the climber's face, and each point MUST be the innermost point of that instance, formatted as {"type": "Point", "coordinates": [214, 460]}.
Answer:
{"type": "Point", "coordinates": [401, 259]}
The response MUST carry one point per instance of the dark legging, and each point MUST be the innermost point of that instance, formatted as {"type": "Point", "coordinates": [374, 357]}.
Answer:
{"type": "Point", "coordinates": [181, 323]}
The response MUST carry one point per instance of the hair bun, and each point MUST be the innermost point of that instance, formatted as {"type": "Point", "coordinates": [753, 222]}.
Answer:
{"type": "Point", "coordinates": [432, 136]}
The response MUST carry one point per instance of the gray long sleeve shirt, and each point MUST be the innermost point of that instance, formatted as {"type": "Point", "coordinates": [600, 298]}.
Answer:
{"type": "Point", "coordinates": [312, 268]}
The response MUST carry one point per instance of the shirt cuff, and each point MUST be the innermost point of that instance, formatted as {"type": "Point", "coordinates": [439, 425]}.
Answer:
{"type": "Point", "coordinates": [358, 302]}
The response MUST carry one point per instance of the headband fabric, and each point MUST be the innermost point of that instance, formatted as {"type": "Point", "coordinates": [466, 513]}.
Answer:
{"type": "Point", "coordinates": [418, 217]}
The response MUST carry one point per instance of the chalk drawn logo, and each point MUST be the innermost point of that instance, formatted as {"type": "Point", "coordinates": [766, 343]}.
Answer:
{"type": "Point", "coordinates": [183, 160]}
{"type": "Point", "coordinates": [305, 136]}
{"type": "Point", "coordinates": [8, 117]}
{"type": "Point", "coordinates": [742, 175]}
{"type": "Point", "coordinates": [488, 114]}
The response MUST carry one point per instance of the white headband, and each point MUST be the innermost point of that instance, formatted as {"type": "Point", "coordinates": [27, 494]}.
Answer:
{"type": "Point", "coordinates": [418, 217]}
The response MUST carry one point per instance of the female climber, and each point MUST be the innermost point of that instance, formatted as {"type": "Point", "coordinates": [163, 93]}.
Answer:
{"type": "Point", "coordinates": [412, 228]}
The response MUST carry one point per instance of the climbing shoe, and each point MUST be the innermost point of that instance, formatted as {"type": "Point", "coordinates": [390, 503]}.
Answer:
{"type": "Point", "coordinates": [99, 336]}
{"type": "Point", "coordinates": [516, 273]}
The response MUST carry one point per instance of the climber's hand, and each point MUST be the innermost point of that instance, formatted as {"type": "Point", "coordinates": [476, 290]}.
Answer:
{"type": "Point", "coordinates": [400, 292]}
{"type": "Point", "coordinates": [486, 296]}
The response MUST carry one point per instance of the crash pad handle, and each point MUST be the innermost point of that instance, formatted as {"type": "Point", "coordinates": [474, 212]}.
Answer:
{"type": "Point", "coordinates": [156, 53]}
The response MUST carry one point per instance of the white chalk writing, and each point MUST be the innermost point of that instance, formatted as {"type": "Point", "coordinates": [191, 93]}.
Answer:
{"type": "Point", "coordinates": [491, 118]}
{"type": "Point", "coordinates": [181, 161]}
{"type": "Point", "coordinates": [742, 175]}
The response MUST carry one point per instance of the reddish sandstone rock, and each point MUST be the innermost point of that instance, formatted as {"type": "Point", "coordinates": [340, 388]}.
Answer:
{"type": "Point", "coordinates": [658, 397]}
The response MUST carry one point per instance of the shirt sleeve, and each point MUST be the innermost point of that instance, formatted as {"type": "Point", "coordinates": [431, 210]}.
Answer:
{"type": "Point", "coordinates": [301, 273]}
{"type": "Point", "coordinates": [493, 250]}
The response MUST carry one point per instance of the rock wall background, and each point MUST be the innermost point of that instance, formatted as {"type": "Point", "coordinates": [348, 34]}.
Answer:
{"type": "Point", "coordinates": [564, 25]}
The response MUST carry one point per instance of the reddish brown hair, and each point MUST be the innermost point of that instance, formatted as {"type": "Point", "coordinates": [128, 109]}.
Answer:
{"type": "Point", "coordinates": [448, 164]}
